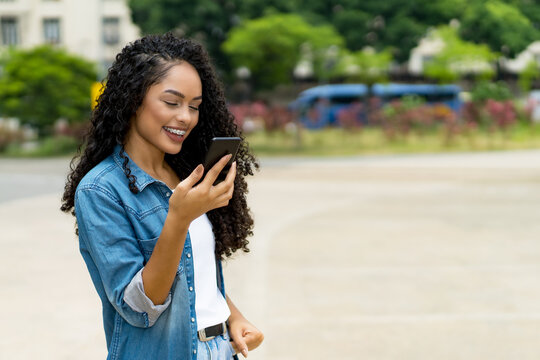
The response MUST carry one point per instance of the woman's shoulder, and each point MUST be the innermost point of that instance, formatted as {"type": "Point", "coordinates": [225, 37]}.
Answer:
{"type": "Point", "coordinates": [107, 175]}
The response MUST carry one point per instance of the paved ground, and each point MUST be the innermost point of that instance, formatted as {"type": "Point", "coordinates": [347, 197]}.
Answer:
{"type": "Point", "coordinates": [409, 257]}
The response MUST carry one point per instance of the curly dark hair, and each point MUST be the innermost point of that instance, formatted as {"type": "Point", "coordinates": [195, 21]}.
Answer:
{"type": "Point", "coordinates": [137, 67]}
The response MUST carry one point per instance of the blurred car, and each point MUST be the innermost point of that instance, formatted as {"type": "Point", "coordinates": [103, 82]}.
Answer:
{"type": "Point", "coordinates": [533, 104]}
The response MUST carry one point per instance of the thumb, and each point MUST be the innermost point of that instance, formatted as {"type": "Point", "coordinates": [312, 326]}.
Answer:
{"type": "Point", "coordinates": [194, 177]}
{"type": "Point", "coordinates": [240, 344]}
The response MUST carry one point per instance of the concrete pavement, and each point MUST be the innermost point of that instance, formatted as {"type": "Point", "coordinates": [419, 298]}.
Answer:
{"type": "Point", "coordinates": [393, 257]}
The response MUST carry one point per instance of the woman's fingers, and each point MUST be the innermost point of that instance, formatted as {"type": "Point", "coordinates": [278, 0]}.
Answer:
{"type": "Point", "coordinates": [232, 173]}
{"type": "Point", "coordinates": [226, 188]}
{"type": "Point", "coordinates": [205, 196]}
{"type": "Point", "coordinates": [233, 344]}
{"type": "Point", "coordinates": [193, 178]}
{"type": "Point", "coordinates": [248, 340]}
{"type": "Point", "coordinates": [228, 183]}
{"type": "Point", "coordinates": [253, 339]}
{"type": "Point", "coordinates": [213, 173]}
{"type": "Point", "coordinates": [239, 345]}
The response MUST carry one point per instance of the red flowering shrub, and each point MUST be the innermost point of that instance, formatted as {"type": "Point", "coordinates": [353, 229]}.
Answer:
{"type": "Point", "coordinates": [503, 113]}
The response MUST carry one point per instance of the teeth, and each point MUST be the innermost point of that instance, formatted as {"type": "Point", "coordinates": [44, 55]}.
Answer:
{"type": "Point", "coordinates": [174, 131]}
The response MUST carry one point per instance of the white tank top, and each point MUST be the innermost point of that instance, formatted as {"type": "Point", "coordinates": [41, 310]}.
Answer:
{"type": "Point", "coordinates": [210, 305]}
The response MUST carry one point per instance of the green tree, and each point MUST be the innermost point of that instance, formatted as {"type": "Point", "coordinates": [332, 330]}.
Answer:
{"type": "Point", "coordinates": [458, 57]}
{"type": "Point", "coordinates": [389, 24]}
{"type": "Point", "coordinates": [530, 9]}
{"type": "Point", "coordinates": [500, 25]}
{"type": "Point", "coordinates": [365, 66]}
{"type": "Point", "coordinates": [41, 85]}
{"type": "Point", "coordinates": [207, 21]}
{"type": "Point", "coordinates": [485, 90]}
{"type": "Point", "coordinates": [354, 25]}
{"type": "Point", "coordinates": [528, 75]}
{"type": "Point", "coordinates": [402, 35]}
{"type": "Point", "coordinates": [505, 25]}
{"type": "Point", "coordinates": [270, 47]}
{"type": "Point", "coordinates": [252, 9]}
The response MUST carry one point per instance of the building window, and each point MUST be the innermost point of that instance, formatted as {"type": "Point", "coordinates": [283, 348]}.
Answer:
{"type": "Point", "coordinates": [111, 30]}
{"type": "Point", "coordinates": [426, 59]}
{"type": "Point", "coordinates": [9, 28]}
{"type": "Point", "coordinates": [51, 31]}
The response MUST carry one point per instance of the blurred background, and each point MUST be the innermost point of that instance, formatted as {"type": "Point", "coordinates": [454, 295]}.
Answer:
{"type": "Point", "coordinates": [397, 203]}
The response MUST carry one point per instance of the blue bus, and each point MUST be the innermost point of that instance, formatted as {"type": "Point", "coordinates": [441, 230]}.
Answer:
{"type": "Point", "coordinates": [431, 94]}
{"type": "Point", "coordinates": [320, 106]}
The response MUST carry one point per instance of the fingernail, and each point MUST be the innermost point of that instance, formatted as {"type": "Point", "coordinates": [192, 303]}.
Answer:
{"type": "Point", "coordinates": [199, 168]}
{"type": "Point", "coordinates": [245, 352]}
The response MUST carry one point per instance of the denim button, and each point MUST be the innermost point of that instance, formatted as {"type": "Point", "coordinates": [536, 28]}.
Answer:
{"type": "Point", "coordinates": [194, 351]}
{"type": "Point", "coordinates": [168, 194]}
{"type": "Point", "coordinates": [188, 255]}
{"type": "Point", "coordinates": [190, 288]}
{"type": "Point", "coordinates": [192, 320]}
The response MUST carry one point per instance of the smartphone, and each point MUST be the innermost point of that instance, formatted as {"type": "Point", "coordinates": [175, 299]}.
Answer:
{"type": "Point", "coordinates": [219, 147]}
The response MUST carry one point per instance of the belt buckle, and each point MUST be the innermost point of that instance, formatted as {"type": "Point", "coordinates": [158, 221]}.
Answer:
{"type": "Point", "coordinates": [203, 337]}
{"type": "Point", "coordinates": [202, 333]}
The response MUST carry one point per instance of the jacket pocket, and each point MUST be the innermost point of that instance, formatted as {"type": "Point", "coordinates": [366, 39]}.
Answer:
{"type": "Point", "coordinates": [147, 248]}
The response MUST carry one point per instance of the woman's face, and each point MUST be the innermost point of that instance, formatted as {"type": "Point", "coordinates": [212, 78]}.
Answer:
{"type": "Point", "coordinates": [169, 111]}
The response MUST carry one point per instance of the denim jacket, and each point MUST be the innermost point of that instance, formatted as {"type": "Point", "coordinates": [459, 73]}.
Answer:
{"type": "Point", "coordinates": [117, 234]}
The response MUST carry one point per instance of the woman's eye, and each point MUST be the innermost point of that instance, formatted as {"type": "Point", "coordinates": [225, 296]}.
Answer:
{"type": "Point", "coordinates": [194, 108]}
{"type": "Point", "coordinates": [170, 103]}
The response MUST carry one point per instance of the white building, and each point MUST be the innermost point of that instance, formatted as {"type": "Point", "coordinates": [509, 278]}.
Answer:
{"type": "Point", "coordinates": [523, 59]}
{"type": "Point", "coordinates": [431, 45]}
{"type": "Point", "coordinates": [428, 47]}
{"type": "Point", "coordinates": [94, 29]}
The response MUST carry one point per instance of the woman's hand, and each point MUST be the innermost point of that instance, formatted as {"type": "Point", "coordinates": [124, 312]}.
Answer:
{"type": "Point", "coordinates": [188, 201]}
{"type": "Point", "coordinates": [245, 336]}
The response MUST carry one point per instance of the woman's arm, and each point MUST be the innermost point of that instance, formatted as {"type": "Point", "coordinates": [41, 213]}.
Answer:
{"type": "Point", "coordinates": [245, 336]}
{"type": "Point", "coordinates": [187, 203]}
{"type": "Point", "coordinates": [158, 274]}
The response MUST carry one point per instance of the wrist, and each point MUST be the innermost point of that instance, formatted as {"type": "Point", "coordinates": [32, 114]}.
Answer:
{"type": "Point", "coordinates": [235, 316]}
{"type": "Point", "coordinates": [178, 219]}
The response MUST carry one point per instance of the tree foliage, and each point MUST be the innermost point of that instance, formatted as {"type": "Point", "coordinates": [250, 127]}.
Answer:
{"type": "Point", "coordinates": [207, 21]}
{"type": "Point", "coordinates": [486, 90]}
{"type": "Point", "coordinates": [528, 75]}
{"type": "Point", "coordinates": [506, 26]}
{"type": "Point", "coordinates": [502, 26]}
{"type": "Point", "coordinates": [365, 66]}
{"type": "Point", "coordinates": [270, 46]}
{"type": "Point", "coordinates": [43, 84]}
{"type": "Point", "coordinates": [458, 57]}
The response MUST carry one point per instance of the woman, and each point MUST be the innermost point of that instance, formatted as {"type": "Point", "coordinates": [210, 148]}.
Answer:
{"type": "Point", "coordinates": [151, 238]}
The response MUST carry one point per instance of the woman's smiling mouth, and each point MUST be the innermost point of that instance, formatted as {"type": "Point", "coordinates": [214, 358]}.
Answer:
{"type": "Point", "coordinates": [174, 131]}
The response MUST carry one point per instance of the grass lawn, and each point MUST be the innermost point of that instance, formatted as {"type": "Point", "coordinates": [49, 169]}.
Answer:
{"type": "Point", "coordinates": [340, 142]}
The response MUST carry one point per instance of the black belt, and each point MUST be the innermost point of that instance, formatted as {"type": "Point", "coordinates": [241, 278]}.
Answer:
{"type": "Point", "coordinates": [211, 332]}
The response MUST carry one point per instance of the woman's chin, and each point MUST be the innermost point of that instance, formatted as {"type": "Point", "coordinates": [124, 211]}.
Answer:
{"type": "Point", "coordinates": [172, 150]}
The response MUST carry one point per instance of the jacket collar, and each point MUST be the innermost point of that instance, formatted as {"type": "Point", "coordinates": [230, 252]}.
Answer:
{"type": "Point", "coordinates": [142, 178]}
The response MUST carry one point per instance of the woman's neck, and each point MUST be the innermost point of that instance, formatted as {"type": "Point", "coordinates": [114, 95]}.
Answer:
{"type": "Point", "coordinates": [150, 159]}
{"type": "Point", "coordinates": [147, 157]}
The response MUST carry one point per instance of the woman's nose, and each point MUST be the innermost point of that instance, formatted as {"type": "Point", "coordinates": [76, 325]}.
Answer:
{"type": "Point", "coordinates": [183, 114]}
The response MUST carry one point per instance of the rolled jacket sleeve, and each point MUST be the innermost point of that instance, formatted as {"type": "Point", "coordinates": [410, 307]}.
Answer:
{"type": "Point", "coordinates": [111, 251]}
{"type": "Point", "coordinates": [136, 298]}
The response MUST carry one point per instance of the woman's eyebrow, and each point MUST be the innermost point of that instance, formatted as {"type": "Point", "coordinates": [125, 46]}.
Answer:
{"type": "Point", "coordinates": [179, 94]}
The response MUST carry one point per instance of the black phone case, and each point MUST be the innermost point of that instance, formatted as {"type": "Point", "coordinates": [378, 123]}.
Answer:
{"type": "Point", "coordinates": [220, 147]}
